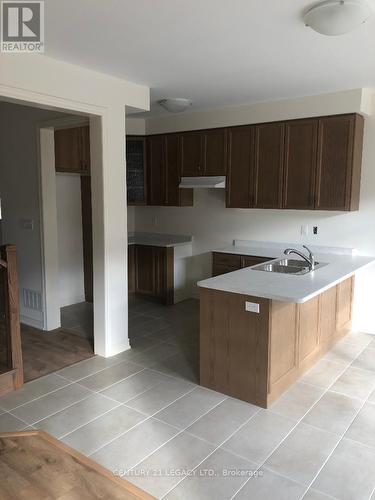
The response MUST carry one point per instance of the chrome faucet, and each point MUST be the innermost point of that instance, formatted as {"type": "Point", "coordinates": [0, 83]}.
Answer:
{"type": "Point", "coordinates": [310, 259]}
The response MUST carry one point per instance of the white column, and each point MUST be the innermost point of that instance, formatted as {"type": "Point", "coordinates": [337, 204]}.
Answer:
{"type": "Point", "coordinates": [49, 233]}
{"type": "Point", "coordinates": [108, 177]}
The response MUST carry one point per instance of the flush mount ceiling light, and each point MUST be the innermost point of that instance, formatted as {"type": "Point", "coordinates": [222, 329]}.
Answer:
{"type": "Point", "coordinates": [175, 104]}
{"type": "Point", "coordinates": [336, 17]}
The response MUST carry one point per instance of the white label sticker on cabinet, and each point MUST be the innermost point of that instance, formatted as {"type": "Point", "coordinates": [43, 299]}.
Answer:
{"type": "Point", "coordinates": [252, 307]}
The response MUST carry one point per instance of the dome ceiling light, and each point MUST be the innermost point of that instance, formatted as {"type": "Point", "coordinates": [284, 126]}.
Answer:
{"type": "Point", "coordinates": [175, 104]}
{"type": "Point", "coordinates": [337, 17]}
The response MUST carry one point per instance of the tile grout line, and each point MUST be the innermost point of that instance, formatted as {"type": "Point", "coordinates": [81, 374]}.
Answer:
{"type": "Point", "coordinates": [337, 444]}
{"type": "Point", "coordinates": [192, 435]}
{"type": "Point", "coordinates": [39, 397]}
{"type": "Point", "coordinates": [90, 421]}
{"type": "Point", "coordinates": [176, 435]}
{"type": "Point", "coordinates": [119, 403]}
{"type": "Point", "coordinates": [213, 451]}
{"type": "Point", "coordinates": [14, 416]}
{"type": "Point", "coordinates": [58, 411]}
{"type": "Point", "coordinates": [100, 371]}
{"type": "Point", "coordinates": [148, 418]}
{"type": "Point", "coordinates": [285, 437]}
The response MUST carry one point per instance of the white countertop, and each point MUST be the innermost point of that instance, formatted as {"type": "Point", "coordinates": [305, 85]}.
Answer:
{"type": "Point", "coordinates": [286, 287]}
{"type": "Point", "coordinates": [159, 240]}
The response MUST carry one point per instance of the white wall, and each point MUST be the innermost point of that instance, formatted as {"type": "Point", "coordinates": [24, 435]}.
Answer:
{"type": "Point", "coordinates": [70, 242]}
{"type": "Point", "coordinates": [47, 82]}
{"type": "Point", "coordinates": [212, 225]}
{"type": "Point", "coordinates": [19, 191]}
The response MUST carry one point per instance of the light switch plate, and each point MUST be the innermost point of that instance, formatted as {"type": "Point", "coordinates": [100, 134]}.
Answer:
{"type": "Point", "coordinates": [252, 307]}
{"type": "Point", "coordinates": [27, 224]}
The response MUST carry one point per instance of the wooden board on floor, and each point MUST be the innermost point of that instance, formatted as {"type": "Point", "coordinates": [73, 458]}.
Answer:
{"type": "Point", "coordinates": [47, 352]}
{"type": "Point", "coordinates": [34, 465]}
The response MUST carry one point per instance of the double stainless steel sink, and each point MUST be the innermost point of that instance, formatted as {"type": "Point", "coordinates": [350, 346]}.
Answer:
{"type": "Point", "coordinates": [288, 266]}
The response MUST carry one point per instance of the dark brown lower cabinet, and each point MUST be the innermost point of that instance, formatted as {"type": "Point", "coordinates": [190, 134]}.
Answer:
{"type": "Point", "coordinates": [223, 263]}
{"type": "Point", "coordinates": [151, 272]}
{"type": "Point", "coordinates": [257, 356]}
{"type": "Point", "coordinates": [131, 268]}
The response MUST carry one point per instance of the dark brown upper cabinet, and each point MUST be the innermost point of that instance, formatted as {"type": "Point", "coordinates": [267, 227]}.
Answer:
{"type": "Point", "coordinates": [301, 142]}
{"type": "Point", "coordinates": [339, 162]}
{"type": "Point", "coordinates": [241, 161]}
{"type": "Point", "coordinates": [203, 152]}
{"type": "Point", "coordinates": [136, 170]}
{"type": "Point", "coordinates": [72, 150]}
{"type": "Point", "coordinates": [269, 159]}
{"type": "Point", "coordinates": [215, 152]}
{"type": "Point", "coordinates": [163, 172]}
{"type": "Point", "coordinates": [191, 147]}
{"type": "Point", "coordinates": [156, 171]}
{"type": "Point", "coordinates": [175, 196]}
{"type": "Point", "coordinates": [306, 164]}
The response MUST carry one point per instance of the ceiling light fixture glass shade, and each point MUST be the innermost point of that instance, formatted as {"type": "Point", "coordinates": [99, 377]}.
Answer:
{"type": "Point", "coordinates": [175, 104]}
{"type": "Point", "coordinates": [337, 17]}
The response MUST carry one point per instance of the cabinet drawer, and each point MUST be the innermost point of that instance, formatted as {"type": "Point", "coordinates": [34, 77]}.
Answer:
{"type": "Point", "coordinates": [227, 260]}
{"type": "Point", "coordinates": [217, 269]}
{"type": "Point", "coordinates": [250, 260]}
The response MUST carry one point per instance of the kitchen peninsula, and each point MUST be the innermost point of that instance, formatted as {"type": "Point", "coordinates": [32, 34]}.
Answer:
{"type": "Point", "coordinates": [260, 331]}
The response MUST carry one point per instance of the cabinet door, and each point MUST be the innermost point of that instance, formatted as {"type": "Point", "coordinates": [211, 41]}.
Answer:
{"type": "Point", "coordinates": [269, 152]}
{"type": "Point", "coordinates": [240, 178]}
{"type": "Point", "coordinates": [160, 271]}
{"type": "Point", "coordinates": [173, 193]}
{"type": "Point", "coordinates": [301, 141]}
{"type": "Point", "coordinates": [156, 170]}
{"type": "Point", "coordinates": [131, 268]}
{"type": "Point", "coordinates": [68, 150]}
{"type": "Point", "coordinates": [191, 154]}
{"type": "Point", "coordinates": [344, 303]}
{"type": "Point", "coordinates": [215, 152]}
{"type": "Point", "coordinates": [223, 263]}
{"type": "Point", "coordinates": [250, 260]}
{"type": "Point", "coordinates": [328, 305]}
{"type": "Point", "coordinates": [145, 270]}
{"type": "Point", "coordinates": [135, 170]}
{"type": "Point", "coordinates": [335, 152]}
{"type": "Point", "coordinates": [84, 133]}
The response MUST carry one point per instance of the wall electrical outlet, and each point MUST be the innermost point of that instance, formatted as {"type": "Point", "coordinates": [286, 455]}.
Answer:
{"type": "Point", "coordinates": [252, 307]}
{"type": "Point", "coordinates": [304, 230]}
{"type": "Point", "coordinates": [155, 222]}
{"type": "Point", "coordinates": [315, 229]}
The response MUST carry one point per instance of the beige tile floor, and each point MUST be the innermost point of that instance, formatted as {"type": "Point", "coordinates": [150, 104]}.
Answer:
{"type": "Point", "coordinates": [142, 414]}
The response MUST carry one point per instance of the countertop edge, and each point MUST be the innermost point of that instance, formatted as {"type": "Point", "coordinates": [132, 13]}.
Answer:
{"type": "Point", "coordinates": [284, 298]}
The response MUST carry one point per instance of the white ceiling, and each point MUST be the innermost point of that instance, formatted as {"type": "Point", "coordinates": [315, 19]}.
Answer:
{"type": "Point", "coordinates": [215, 52]}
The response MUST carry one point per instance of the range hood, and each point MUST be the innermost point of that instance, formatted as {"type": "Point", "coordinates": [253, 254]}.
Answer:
{"type": "Point", "coordinates": [216, 182]}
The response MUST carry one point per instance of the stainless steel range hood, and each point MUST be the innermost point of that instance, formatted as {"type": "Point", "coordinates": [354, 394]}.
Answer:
{"type": "Point", "coordinates": [217, 182]}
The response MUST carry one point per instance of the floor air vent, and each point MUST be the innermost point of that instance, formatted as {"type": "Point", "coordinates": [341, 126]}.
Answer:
{"type": "Point", "coordinates": [32, 299]}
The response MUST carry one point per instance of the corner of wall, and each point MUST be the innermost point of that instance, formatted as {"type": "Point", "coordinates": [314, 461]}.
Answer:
{"type": "Point", "coordinates": [368, 101]}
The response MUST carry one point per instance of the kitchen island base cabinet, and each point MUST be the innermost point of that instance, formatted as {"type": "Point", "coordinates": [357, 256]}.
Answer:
{"type": "Point", "coordinates": [255, 357]}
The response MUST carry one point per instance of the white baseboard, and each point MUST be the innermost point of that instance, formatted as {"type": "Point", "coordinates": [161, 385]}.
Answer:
{"type": "Point", "coordinates": [31, 322]}
{"type": "Point", "coordinates": [117, 349]}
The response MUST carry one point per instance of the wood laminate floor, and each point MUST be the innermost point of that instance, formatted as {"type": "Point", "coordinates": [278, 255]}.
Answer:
{"type": "Point", "coordinates": [47, 352]}
{"type": "Point", "coordinates": [34, 465]}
